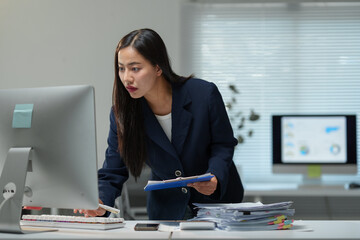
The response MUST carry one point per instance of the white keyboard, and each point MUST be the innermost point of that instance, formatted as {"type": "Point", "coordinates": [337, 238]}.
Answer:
{"type": "Point", "coordinates": [61, 221]}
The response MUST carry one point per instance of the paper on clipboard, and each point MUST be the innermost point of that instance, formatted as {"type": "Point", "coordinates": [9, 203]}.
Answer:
{"type": "Point", "coordinates": [177, 182]}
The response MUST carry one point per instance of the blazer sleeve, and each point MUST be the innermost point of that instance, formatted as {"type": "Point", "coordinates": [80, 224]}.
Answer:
{"type": "Point", "coordinates": [113, 173]}
{"type": "Point", "coordinates": [222, 140]}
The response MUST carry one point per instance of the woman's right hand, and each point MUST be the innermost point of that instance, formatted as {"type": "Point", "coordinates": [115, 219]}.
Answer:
{"type": "Point", "coordinates": [91, 213]}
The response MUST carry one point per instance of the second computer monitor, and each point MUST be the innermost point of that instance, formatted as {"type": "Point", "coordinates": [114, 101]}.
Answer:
{"type": "Point", "coordinates": [302, 142]}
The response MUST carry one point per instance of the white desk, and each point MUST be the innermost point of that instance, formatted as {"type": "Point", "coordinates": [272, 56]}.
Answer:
{"type": "Point", "coordinates": [316, 230]}
{"type": "Point", "coordinates": [68, 234]}
{"type": "Point", "coordinates": [302, 230]}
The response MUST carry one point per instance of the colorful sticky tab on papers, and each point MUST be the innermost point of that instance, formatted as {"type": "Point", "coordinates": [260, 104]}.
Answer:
{"type": "Point", "coordinates": [279, 219]}
{"type": "Point", "coordinates": [283, 226]}
{"type": "Point", "coordinates": [22, 115]}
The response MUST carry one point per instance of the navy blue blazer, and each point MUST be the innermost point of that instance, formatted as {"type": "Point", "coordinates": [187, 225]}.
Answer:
{"type": "Point", "coordinates": [202, 142]}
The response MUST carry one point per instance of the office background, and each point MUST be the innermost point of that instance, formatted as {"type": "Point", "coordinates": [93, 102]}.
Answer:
{"type": "Point", "coordinates": [53, 42]}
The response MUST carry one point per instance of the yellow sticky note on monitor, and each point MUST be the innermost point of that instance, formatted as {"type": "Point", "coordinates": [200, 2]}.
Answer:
{"type": "Point", "coordinates": [314, 171]}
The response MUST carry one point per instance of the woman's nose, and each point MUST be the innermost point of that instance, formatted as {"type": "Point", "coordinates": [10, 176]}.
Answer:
{"type": "Point", "coordinates": [127, 76]}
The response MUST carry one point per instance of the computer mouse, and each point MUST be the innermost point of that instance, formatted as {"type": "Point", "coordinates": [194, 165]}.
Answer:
{"type": "Point", "coordinates": [354, 185]}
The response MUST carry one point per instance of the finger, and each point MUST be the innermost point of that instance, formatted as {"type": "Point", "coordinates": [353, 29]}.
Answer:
{"type": "Point", "coordinates": [206, 184]}
{"type": "Point", "coordinates": [94, 213]}
{"type": "Point", "coordinates": [90, 214]}
{"type": "Point", "coordinates": [87, 213]}
{"type": "Point", "coordinates": [205, 189]}
{"type": "Point", "coordinates": [97, 213]}
{"type": "Point", "coordinates": [101, 212]}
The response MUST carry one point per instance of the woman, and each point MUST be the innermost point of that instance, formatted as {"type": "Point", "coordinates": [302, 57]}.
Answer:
{"type": "Point", "coordinates": [177, 126]}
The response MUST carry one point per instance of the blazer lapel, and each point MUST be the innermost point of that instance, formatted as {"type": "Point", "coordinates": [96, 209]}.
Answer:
{"type": "Point", "coordinates": [155, 131]}
{"type": "Point", "coordinates": [181, 117]}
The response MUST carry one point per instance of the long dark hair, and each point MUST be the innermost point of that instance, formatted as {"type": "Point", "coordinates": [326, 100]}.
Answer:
{"type": "Point", "coordinates": [127, 110]}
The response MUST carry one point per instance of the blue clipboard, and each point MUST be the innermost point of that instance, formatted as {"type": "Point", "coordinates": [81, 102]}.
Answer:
{"type": "Point", "coordinates": [176, 182]}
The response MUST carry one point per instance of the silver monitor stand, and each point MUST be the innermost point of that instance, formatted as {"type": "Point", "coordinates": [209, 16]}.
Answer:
{"type": "Point", "coordinates": [12, 183]}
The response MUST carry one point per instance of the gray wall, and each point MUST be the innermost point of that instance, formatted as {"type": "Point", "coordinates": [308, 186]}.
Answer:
{"type": "Point", "coordinates": [70, 42]}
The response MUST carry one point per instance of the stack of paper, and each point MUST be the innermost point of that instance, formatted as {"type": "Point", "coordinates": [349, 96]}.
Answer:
{"type": "Point", "coordinates": [247, 216]}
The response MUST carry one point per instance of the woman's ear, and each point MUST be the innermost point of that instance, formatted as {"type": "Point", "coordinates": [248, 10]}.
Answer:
{"type": "Point", "coordinates": [158, 70]}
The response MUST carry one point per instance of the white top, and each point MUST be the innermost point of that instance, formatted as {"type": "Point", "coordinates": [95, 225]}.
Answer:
{"type": "Point", "coordinates": [165, 123]}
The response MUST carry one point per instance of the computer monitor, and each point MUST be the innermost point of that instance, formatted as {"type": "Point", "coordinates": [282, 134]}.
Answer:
{"type": "Point", "coordinates": [314, 144]}
{"type": "Point", "coordinates": [47, 151]}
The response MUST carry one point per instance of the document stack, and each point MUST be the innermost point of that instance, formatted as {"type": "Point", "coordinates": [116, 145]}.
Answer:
{"type": "Point", "coordinates": [247, 216]}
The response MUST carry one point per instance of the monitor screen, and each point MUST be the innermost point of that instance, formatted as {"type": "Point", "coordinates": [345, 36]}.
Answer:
{"type": "Point", "coordinates": [325, 140]}
{"type": "Point", "coordinates": [47, 149]}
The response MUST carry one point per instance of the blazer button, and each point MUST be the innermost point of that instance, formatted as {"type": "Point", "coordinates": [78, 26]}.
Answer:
{"type": "Point", "coordinates": [178, 173]}
{"type": "Point", "coordinates": [184, 190]}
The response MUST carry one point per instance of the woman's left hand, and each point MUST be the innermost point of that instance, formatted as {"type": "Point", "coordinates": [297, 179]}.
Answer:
{"type": "Point", "coordinates": [207, 187]}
